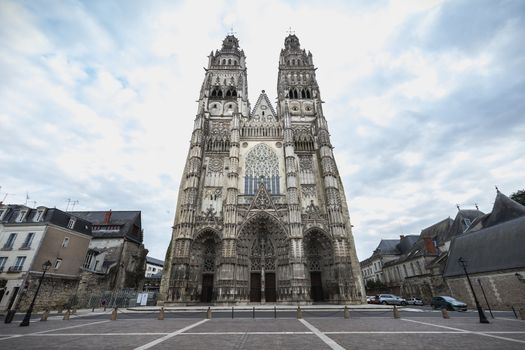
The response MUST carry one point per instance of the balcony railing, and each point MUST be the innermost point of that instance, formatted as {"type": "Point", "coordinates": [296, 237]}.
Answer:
{"type": "Point", "coordinates": [25, 246]}
{"type": "Point", "coordinates": [14, 269]}
{"type": "Point", "coordinates": [7, 247]}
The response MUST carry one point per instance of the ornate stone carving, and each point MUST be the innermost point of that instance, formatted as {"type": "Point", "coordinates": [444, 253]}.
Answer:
{"type": "Point", "coordinates": [308, 191]}
{"type": "Point", "coordinates": [209, 218]}
{"type": "Point", "coordinates": [215, 165]}
{"type": "Point", "coordinates": [306, 163]}
{"type": "Point", "coordinates": [262, 161]}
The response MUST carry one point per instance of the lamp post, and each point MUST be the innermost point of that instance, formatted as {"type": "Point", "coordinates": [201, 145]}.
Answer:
{"type": "Point", "coordinates": [482, 317]}
{"type": "Point", "coordinates": [27, 317]}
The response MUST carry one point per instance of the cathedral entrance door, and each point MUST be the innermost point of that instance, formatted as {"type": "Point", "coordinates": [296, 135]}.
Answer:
{"type": "Point", "coordinates": [269, 287]}
{"type": "Point", "coordinates": [255, 287]}
{"type": "Point", "coordinates": [207, 288]}
{"type": "Point", "coordinates": [317, 286]}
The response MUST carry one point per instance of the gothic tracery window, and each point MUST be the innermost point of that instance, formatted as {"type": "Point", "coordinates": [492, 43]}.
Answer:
{"type": "Point", "coordinates": [262, 165]}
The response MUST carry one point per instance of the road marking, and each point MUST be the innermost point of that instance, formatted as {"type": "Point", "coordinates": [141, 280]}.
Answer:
{"type": "Point", "coordinates": [50, 330]}
{"type": "Point", "coordinates": [509, 319]}
{"type": "Point", "coordinates": [70, 327]}
{"type": "Point", "coordinates": [327, 340]}
{"type": "Point", "coordinates": [485, 334]}
{"type": "Point", "coordinates": [170, 335]}
{"type": "Point", "coordinates": [249, 333]}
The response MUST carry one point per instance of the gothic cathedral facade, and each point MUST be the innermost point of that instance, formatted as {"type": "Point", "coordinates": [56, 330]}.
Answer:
{"type": "Point", "coordinates": [261, 213]}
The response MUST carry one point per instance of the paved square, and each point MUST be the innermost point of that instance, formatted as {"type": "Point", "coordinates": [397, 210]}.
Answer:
{"type": "Point", "coordinates": [145, 331]}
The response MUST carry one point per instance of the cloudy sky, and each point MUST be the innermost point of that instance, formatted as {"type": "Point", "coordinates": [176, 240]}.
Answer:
{"type": "Point", "coordinates": [425, 101]}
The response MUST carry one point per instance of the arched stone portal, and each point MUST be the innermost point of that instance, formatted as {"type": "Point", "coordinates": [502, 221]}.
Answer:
{"type": "Point", "coordinates": [262, 264]}
{"type": "Point", "coordinates": [320, 261]}
{"type": "Point", "coordinates": [204, 260]}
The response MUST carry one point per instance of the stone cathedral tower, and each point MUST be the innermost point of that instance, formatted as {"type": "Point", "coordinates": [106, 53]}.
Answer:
{"type": "Point", "coordinates": [261, 214]}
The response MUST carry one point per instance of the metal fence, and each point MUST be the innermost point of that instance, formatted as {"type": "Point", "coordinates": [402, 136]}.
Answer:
{"type": "Point", "coordinates": [120, 298]}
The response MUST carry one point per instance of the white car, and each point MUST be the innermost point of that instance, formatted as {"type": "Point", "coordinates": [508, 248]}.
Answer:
{"type": "Point", "coordinates": [414, 301]}
{"type": "Point", "coordinates": [391, 299]}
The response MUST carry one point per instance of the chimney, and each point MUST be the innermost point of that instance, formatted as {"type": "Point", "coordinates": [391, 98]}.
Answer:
{"type": "Point", "coordinates": [401, 237]}
{"type": "Point", "coordinates": [107, 217]}
{"type": "Point", "coordinates": [429, 246]}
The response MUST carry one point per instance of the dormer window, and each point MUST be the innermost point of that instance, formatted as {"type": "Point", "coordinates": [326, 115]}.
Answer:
{"type": "Point", "coordinates": [2, 212]}
{"type": "Point", "coordinates": [38, 215]}
{"type": "Point", "coordinates": [21, 215]}
{"type": "Point", "coordinates": [71, 223]}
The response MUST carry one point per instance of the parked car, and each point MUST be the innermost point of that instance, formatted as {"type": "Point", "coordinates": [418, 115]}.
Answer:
{"type": "Point", "coordinates": [414, 301]}
{"type": "Point", "coordinates": [370, 299]}
{"type": "Point", "coordinates": [449, 303]}
{"type": "Point", "coordinates": [391, 299]}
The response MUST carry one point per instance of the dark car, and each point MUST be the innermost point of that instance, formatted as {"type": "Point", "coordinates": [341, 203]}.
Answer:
{"type": "Point", "coordinates": [449, 303]}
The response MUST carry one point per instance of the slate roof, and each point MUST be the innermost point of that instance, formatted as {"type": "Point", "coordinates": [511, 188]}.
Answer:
{"type": "Point", "coordinates": [395, 247]}
{"type": "Point", "coordinates": [463, 220]}
{"type": "Point", "coordinates": [129, 222]}
{"type": "Point", "coordinates": [387, 246]}
{"type": "Point", "coordinates": [51, 215]}
{"type": "Point", "coordinates": [154, 261]}
{"type": "Point", "coordinates": [496, 243]}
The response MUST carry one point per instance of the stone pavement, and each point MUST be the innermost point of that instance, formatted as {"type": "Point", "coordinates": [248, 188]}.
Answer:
{"type": "Point", "coordinates": [378, 332]}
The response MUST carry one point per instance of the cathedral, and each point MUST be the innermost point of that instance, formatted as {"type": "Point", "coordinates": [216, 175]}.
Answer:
{"type": "Point", "coordinates": [261, 214]}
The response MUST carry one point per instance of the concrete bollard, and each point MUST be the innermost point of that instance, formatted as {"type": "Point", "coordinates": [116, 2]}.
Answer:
{"type": "Point", "coordinates": [396, 312]}
{"type": "Point", "coordinates": [299, 312]}
{"type": "Point", "coordinates": [44, 315]}
{"type": "Point", "coordinates": [522, 313]}
{"type": "Point", "coordinates": [114, 314]}
{"type": "Point", "coordinates": [347, 312]}
{"type": "Point", "coordinates": [66, 315]}
{"type": "Point", "coordinates": [444, 313]}
{"type": "Point", "coordinates": [208, 314]}
{"type": "Point", "coordinates": [161, 314]}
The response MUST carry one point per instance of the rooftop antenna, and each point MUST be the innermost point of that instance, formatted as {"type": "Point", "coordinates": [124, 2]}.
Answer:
{"type": "Point", "coordinates": [497, 189]}
{"type": "Point", "coordinates": [457, 206]}
{"type": "Point", "coordinates": [34, 204]}
{"type": "Point", "coordinates": [68, 202]}
{"type": "Point", "coordinates": [290, 31]}
{"type": "Point", "coordinates": [476, 205]}
{"type": "Point", "coordinates": [27, 198]}
{"type": "Point", "coordinates": [73, 205]}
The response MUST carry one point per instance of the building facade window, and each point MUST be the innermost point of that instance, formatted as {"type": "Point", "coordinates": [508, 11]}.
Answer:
{"type": "Point", "coordinates": [262, 166]}
{"type": "Point", "coordinates": [58, 262]}
{"type": "Point", "coordinates": [71, 223]}
{"type": "Point", "coordinates": [28, 241]}
{"type": "Point", "coordinates": [89, 258]}
{"type": "Point", "coordinates": [10, 241]}
{"type": "Point", "coordinates": [65, 242]}
{"type": "Point", "coordinates": [19, 263]}
{"type": "Point", "coordinates": [3, 260]}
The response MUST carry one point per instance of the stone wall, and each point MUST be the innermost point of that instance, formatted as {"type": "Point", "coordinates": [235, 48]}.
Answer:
{"type": "Point", "coordinates": [503, 290]}
{"type": "Point", "coordinates": [56, 292]}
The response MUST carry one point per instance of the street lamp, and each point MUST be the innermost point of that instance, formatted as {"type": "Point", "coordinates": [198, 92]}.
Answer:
{"type": "Point", "coordinates": [27, 317]}
{"type": "Point", "coordinates": [482, 317]}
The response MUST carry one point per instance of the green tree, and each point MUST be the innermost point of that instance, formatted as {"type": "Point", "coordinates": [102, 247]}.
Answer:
{"type": "Point", "coordinates": [519, 197]}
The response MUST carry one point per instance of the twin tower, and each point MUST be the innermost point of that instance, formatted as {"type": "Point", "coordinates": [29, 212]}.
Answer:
{"type": "Point", "coordinates": [261, 215]}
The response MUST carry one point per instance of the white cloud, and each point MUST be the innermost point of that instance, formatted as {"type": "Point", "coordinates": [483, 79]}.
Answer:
{"type": "Point", "coordinates": [99, 99]}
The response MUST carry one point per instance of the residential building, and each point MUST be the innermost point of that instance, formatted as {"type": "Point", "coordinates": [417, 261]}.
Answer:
{"type": "Point", "coordinates": [28, 238]}
{"type": "Point", "coordinates": [387, 250]}
{"type": "Point", "coordinates": [116, 258]}
{"type": "Point", "coordinates": [153, 266]}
